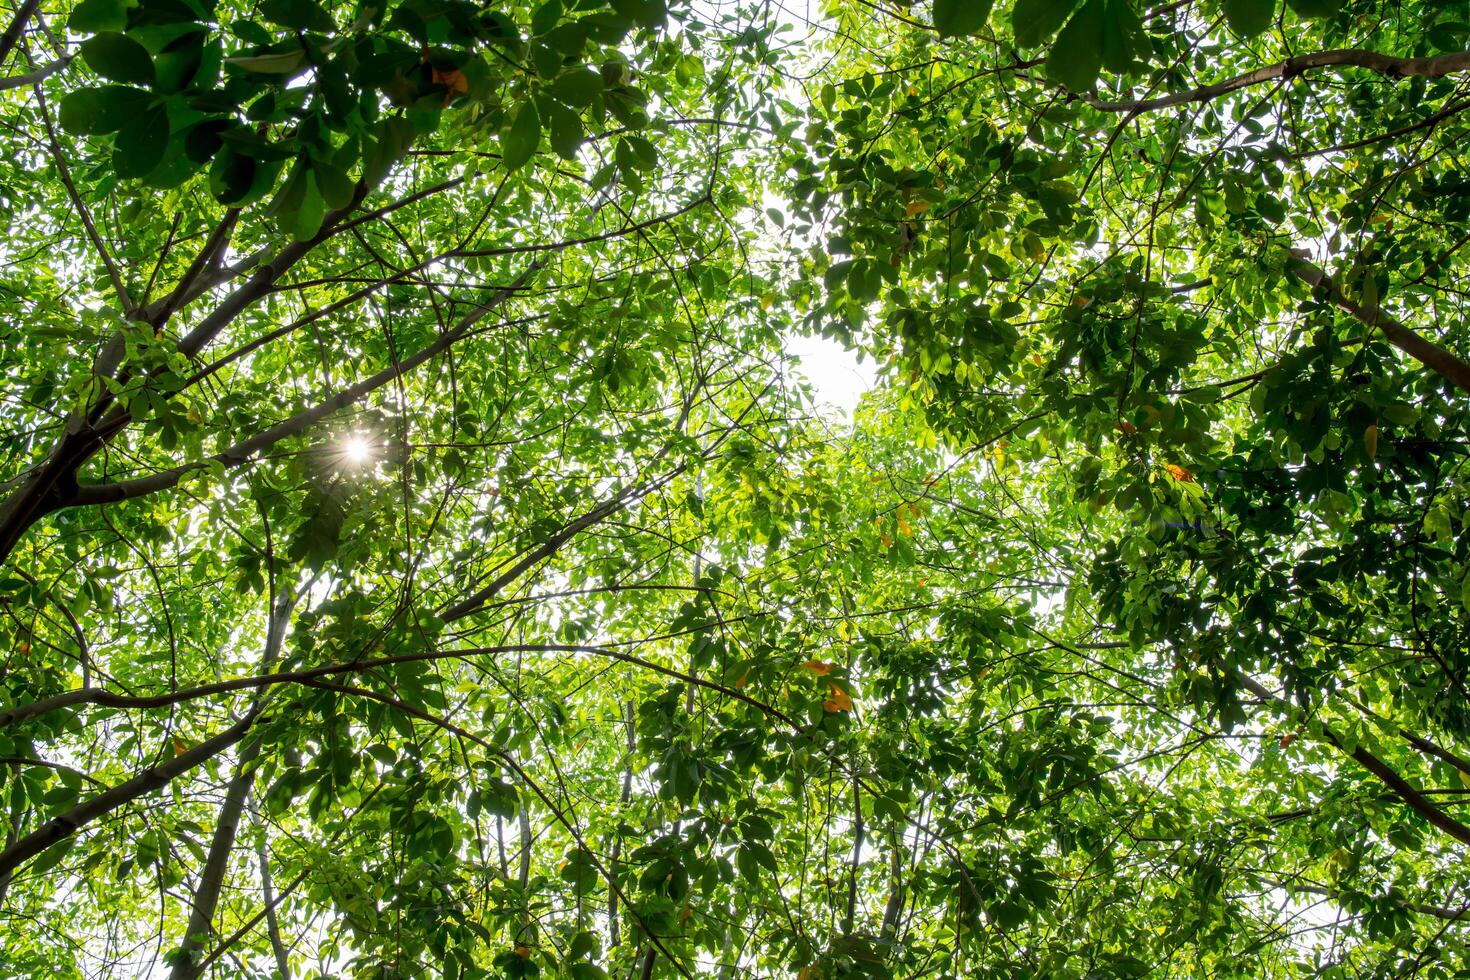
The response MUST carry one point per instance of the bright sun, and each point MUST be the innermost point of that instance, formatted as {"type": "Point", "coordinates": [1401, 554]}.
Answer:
{"type": "Point", "coordinates": [355, 450]}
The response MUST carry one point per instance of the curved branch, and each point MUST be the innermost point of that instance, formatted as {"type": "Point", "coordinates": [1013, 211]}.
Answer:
{"type": "Point", "coordinates": [34, 77]}
{"type": "Point", "coordinates": [1389, 66]}
{"type": "Point", "coordinates": [246, 449]}
{"type": "Point", "coordinates": [62, 826]}
{"type": "Point", "coordinates": [551, 545]}
{"type": "Point", "coordinates": [1401, 787]}
{"type": "Point", "coordinates": [227, 823]}
{"type": "Point", "coordinates": [1437, 911]}
{"type": "Point", "coordinates": [109, 700]}
{"type": "Point", "coordinates": [1426, 352]}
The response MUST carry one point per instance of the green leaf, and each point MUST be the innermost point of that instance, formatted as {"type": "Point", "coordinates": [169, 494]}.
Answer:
{"type": "Point", "coordinates": [864, 281]}
{"type": "Point", "coordinates": [335, 186]}
{"type": "Point", "coordinates": [644, 13]}
{"type": "Point", "coordinates": [545, 17]}
{"type": "Point", "coordinates": [1315, 8]}
{"type": "Point", "coordinates": [584, 944]}
{"type": "Point", "coordinates": [298, 15]}
{"type": "Point", "coordinates": [310, 213]}
{"type": "Point", "coordinates": [1076, 56]}
{"type": "Point", "coordinates": [566, 130]}
{"type": "Point", "coordinates": [645, 155]}
{"type": "Point", "coordinates": [499, 798]}
{"type": "Point", "coordinates": [1249, 17]}
{"type": "Point", "coordinates": [230, 176]}
{"type": "Point", "coordinates": [1036, 20]}
{"type": "Point", "coordinates": [92, 16]}
{"type": "Point", "coordinates": [140, 145]}
{"type": "Point", "coordinates": [118, 57]}
{"type": "Point", "coordinates": [1123, 37]}
{"type": "Point", "coordinates": [520, 140]}
{"type": "Point", "coordinates": [953, 18]}
{"type": "Point", "coordinates": [577, 87]}
{"type": "Point", "coordinates": [288, 198]}
{"type": "Point", "coordinates": [284, 63]}
{"type": "Point", "coordinates": [188, 62]}
{"type": "Point", "coordinates": [105, 109]}
{"type": "Point", "coordinates": [51, 856]}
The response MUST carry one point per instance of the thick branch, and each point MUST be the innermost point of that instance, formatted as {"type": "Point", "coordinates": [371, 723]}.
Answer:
{"type": "Point", "coordinates": [1438, 751]}
{"type": "Point", "coordinates": [549, 547]}
{"type": "Point", "coordinates": [17, 27]}
{"type": "Point", "coordinates": [61, 827]}
{"type": "Point", "coordinates": [34, 77]}
{"type": "Point", "coordinates": [261, 283]}
{"type": "Point", "coordinates": [214, 248]}
{"type": "Point", "coordinates": [1426, 352]}
{"type": "Point", "coordinates": [1437, 911]}
{"type": "Point", "coordinates": [856, 862]}
{"type": "Point", "coordinates": [1401, 787]}
{"type": "Point", "coordinates": [894, 906]}
{"type": "Point", "coordinates": [1436, 66]}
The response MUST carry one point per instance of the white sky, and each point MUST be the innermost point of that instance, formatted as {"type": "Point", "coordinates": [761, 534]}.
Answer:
{"type": "Point", "coordinates": [836, 377]}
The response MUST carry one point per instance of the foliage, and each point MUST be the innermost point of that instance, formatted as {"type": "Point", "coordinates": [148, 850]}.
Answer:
{"type": "Point", "coordinates": [419, 560]}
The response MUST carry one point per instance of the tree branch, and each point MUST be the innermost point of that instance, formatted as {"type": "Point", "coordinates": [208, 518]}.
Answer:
{"type": "Point", "coordinates": [1426, 352]}
{"type": "Point", "coordinates": [34, 77]}
{"type": "Point", "coordinates": [76, 199]}
{"type": "Point", "coordinates": [227, 824]}
{"type": "Point", "coordinates": [1436, 66]}
{"type": "Point", "coordinates": [61, 827]}
{"type": "Point", "coordinates": [108, 699]}
{"type": "Point", "coordinates": [1401, 787]}
{"type": "Point", "coordinates": [246, 449]}
{"type": "Point", "coordinates": [17, 27]}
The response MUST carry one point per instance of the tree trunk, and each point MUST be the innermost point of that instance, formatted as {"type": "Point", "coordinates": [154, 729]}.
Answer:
{"type": "Point", "coordinates": [227, 826]}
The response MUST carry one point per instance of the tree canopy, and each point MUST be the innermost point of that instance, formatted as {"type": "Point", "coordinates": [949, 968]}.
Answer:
{"type": "Point", "coordinates": [420, 556]}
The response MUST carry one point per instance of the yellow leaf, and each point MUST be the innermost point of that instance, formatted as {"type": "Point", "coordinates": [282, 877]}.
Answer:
{"type": "Point", "coordinates": [839, 701]}
{"type": "Point", "coordinates": [453, 79]}
{"type": "Point", "coordinates": [818, 667]}
{"type": "Point", "coordinates": [1370, 441]}
{"type": "Point", "coordinates": [1179, 473]}
{"type": "Point", "coordinates": [916, 207]}
{"type": "Point", "coordinates": [904, 529]}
